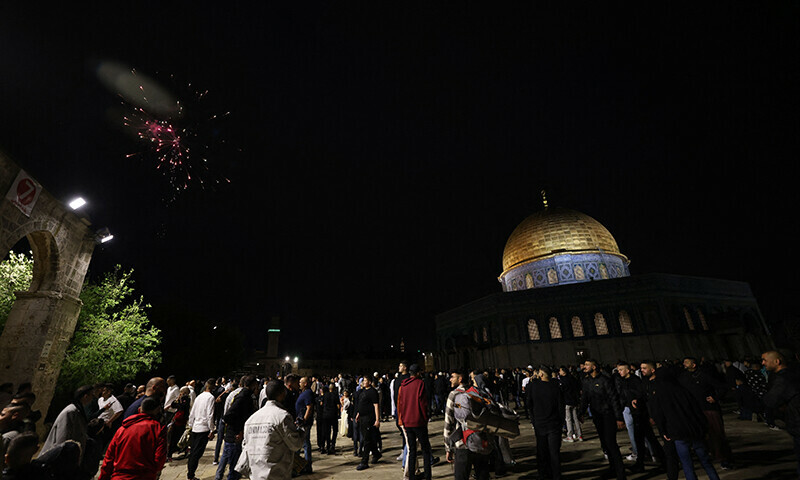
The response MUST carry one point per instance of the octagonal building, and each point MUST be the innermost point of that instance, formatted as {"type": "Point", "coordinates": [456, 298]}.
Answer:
{"type": "Point", "coordinates": [567, 295]}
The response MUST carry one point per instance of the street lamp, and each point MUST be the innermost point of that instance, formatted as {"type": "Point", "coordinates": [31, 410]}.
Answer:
{"type": "Point", "coordinates": [295, 359]}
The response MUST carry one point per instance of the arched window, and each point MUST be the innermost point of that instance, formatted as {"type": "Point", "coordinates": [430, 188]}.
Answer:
{"type": "Point", "coordinates": [533, 330]}
{"type": "Point", "coordinates": [528, 280]}
{"type": "Point", "coordinates": [600, 325]}
{"type": "Point", "coordinates": [702, 318]}
{"type": "Point", "coordinates": [603, 271]}
{"type": "Point", "coordinates": [577, 326]}
{"type": "Point", "coordinates": [555, 328]}
{"type": "Point", "coordinates": [485, 335]}
{"type": "Point", "coordinates": [689, 321]}
{"type": "Point", "coordinates": [552, 276]}
{"type": "Point", "coordinates": [625, 324]}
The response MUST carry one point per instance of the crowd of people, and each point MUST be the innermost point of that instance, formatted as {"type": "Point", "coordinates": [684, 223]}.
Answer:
{"type": "Point", "coordinates": [262, 427]}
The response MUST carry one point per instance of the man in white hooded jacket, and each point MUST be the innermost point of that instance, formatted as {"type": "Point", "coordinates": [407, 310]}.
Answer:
{"type": "Point", "coordinates": [270, 439]}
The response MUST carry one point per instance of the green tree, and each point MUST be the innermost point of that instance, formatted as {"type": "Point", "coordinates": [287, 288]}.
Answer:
{"type": "Point", "coordinates": [16, 273]}
{"type": "Point", "coordinates": [114, 339]}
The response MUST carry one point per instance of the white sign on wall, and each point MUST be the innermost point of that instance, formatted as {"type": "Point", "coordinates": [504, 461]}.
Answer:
{"type": "Point", "coordinates": [24, 192]}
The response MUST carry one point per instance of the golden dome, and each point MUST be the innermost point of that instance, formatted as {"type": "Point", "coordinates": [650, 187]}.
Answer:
{"type": "Point", "coordinates": [555, 231]}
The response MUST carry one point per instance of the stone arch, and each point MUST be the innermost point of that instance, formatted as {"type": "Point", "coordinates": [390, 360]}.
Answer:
{"type": "Point", "coordinates": [42, 320]}
{"type": "Point", "coordinates": [45, 259]}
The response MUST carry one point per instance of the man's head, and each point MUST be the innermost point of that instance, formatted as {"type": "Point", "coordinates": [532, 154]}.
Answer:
{"type": "Point", "coordinates": [184, 391]}
{"type": "Point", "coordinates": [27, 398]}
{"type": "Point", "coordinates": [690, 363]}
{"type": "Point", "coordinates": [366, 382]}
{"type": "Point", "coordinates": [21, 449]}
{"type": "Point", "coordinates": [304, 383]}
{"type": "Point", "coordinates": [402, 368]}
{"type": "Point", "coordinates": [562, 370]}
{"type": "Point", "coordinates": [210, 385]}
{"type": "Point", "coordinates": [648, 368]}
{"type": "Point", "coordinates": [156, 387]}
{"type": "Point", "coordinates": [276, 391]}
{"type": "Point", "coordinates": [151, 407]}
{"type": "Point", "coordinates": [545, 373]}
{"type": "Point", "coordinates": [107, 391]}
{"type": "Point", "coordinates": [171, 381]}
{"type": "Point", "coordinates": [624, 369]}
{"type": "Point", "coordinates": [773, 361]}
{"type": "Point", "coordinates": [459, 377]}
{"type": "Point", "coordinates": [414, 370]}
{"type": "Point", "coordinates": [140, 391]}
{"type": "Point", "coordinates": [589, 366]}
{"type": "Point", "coordinates": [130, 389]}
{"type": "Point", "coordinates": [83, 395]}
{"type": "Point", "coordinates": [250, 382]}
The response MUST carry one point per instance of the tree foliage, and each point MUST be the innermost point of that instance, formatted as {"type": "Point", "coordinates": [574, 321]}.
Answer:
{"type": "Point", "coordinates": [114, 339]}
{"type": "Point", "coordinates": [16, 274]}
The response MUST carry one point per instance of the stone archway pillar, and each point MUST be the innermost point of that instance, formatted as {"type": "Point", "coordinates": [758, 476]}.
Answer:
{"type": "Point", "coordinates": [35, 339]}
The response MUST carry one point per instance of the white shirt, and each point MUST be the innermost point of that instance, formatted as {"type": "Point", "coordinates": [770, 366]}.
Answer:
{"type": "Point", "coordinates": [172, 395]}
{"type": "Point", "coordinates": [262, 396]}
{"type": "Point", "coordinates": [201, 417]}
{"type": "Point", "coordinates": [112, 410]}
{"type": "Point", "coordinates": [270, 440]}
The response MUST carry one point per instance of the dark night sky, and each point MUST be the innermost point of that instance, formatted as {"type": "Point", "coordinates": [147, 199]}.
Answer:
{"type": "Point", "coordinates": [386, 155]}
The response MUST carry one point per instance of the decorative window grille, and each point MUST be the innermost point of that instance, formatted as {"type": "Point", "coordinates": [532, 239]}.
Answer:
{"type": "Point", "coordinates": [555, 328]}
{"type": "Point", "coordinates": [600, 325]}
{"type": "Point", "coordinates": [625, 324]}
{"type": "Point", "coordinates": [533, 330]}
{"type": "Point", "coordinates": [577, 327]}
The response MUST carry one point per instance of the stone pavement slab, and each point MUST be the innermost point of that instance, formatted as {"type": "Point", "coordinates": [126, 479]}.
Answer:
{"type": "Point", "coordinates": [760, 453]}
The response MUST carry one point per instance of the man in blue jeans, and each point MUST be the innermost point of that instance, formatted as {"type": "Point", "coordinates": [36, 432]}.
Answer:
{"type": "Point", "coordinates": [304, 408]}
{"type": "Point", "coordinates": [240, 410]}
{"type": "Point", "coordinates": [681, 420]}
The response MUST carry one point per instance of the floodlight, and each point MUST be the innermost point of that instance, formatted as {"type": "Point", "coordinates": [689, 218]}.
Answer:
{"type": "Point", "coordinates": [77, 203]}
{"type": "Point", "coordinates": [295, 359]}
{"type": "Point", "coordinates": [103, 235]}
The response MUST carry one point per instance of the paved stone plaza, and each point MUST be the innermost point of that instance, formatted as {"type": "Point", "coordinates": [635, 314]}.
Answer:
{"type": "Point", "coordinates": [760, 453]}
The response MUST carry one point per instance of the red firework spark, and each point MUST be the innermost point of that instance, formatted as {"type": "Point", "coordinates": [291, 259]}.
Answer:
{"type": "Point", "coordinates": [168, 143]}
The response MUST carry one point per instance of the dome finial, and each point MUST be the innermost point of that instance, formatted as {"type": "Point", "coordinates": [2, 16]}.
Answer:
{"type": "Point", "coordinates": [544, 198]}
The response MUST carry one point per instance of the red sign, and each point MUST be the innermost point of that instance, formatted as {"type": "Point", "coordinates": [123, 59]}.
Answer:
{"type": "Point", "coordinates": [24, 192]}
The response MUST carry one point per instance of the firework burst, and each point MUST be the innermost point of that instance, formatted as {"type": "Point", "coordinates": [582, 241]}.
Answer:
{"type": "Point", "coordinates": [180, 145]}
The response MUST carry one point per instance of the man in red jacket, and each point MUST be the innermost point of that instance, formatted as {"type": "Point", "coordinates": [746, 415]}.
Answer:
{"type": "Point", "coordinates": [139, 448]}
{"type": "Point", "coordinates": [412, 416]}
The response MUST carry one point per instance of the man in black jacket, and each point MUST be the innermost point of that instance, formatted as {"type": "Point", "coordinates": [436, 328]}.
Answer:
{"type": "Point", "coordinates": [703, 386]}
{"type": "Point", "coordinates": [600, 395]}
{"type": "Point", "coordinates": [547, 405]}
{"type": "Point", "coordinates": [243, 406]}
{"type": "Point", "coordinates": [648, 368]}
{"type": "Point", "coordinates": [682, 422]}
{"type": "Point", "coordinates": [783, 394]}
{"type": "Point", "coordinates": [634, 400]}
{"type": "Point", "coordinates": [571, 389]}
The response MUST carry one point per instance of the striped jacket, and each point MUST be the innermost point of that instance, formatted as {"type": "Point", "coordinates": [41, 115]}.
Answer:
{"type": "Point", "coordinates": [450, 424]}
